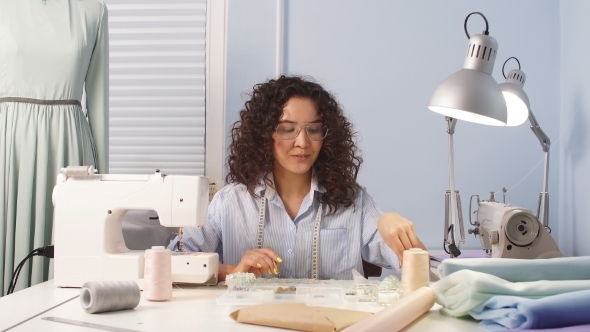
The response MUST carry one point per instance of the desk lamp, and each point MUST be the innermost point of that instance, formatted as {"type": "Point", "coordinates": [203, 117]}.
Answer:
{"type": "Point", "coordinates": [470, 94]}
{"type": "Point", "coordinates": [518, 111]}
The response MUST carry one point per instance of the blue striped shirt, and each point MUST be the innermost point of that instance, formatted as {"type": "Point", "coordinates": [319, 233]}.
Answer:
{"type": "Point", "coordinates": [346, 237]}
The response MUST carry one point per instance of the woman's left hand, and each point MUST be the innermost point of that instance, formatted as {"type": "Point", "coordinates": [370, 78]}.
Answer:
{"type": "Point", "coordinates": [399, 234]}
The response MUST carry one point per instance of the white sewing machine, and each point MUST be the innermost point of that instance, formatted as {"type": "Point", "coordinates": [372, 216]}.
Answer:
{"type": "Point", "coordinates": [512, 232]}
{"type": "Point", "coordinates": [89, 208]}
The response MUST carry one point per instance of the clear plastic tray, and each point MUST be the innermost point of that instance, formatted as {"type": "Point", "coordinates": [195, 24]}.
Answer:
{"type": "Point", "coordinates": [322, 292]}
{"type": "Point", "coordinates": [330, 295]}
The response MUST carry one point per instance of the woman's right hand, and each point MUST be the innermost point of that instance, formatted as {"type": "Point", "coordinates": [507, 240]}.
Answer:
{"type": "Point", "coordinates": [259, 261]}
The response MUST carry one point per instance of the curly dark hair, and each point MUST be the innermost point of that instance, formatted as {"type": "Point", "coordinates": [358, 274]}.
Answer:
{"type": "Point", "coordinates": [251, 149]}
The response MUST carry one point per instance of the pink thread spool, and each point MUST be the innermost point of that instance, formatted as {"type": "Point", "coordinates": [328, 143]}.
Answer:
{"type": "Point", "coordinates": [157, 284]}
{"type": "Point", "coordinates": [416, 270]}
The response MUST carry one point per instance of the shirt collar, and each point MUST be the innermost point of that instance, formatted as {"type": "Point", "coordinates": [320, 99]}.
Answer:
{"type": "Point", "coordinates": [271, 192]}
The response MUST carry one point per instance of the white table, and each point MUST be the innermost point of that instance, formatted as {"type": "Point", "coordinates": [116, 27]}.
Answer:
{"type": "Point", "coordinates": [191, 308]}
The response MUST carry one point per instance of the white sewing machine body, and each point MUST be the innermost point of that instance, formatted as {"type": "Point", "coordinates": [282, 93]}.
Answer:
{"type": "Point", "coordinates": [513, 232]}
{"type": "Point", "coordinates": [195, 267]}
{"type": "Point", "coordinates": [89, 209]}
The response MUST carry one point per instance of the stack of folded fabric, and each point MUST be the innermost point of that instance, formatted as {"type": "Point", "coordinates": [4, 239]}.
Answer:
{"type": "Point", "coordinates": [516, 294]}
{"type": "Point", "coordinates": [517, 270]}
{"type": "Point", "coordinates": [511, 312]}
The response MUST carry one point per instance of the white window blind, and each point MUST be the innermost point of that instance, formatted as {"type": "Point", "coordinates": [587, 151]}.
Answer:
{"type": "Point", "coordinates": [157, 86]}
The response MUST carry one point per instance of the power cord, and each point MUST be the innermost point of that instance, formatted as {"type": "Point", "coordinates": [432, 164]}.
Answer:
{"type": "Point", "coordinates": [46, 251]}
{"type": "Point", "coordinates": [453, 250]}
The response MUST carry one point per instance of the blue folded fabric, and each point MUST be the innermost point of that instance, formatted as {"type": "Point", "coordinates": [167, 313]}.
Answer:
{"type": "Point", "coordinates": [577, 328]}
{"type": "Point", "coordinates": [513, 312]}
{"type": "Point", "coordinates": [517, 270]}
{"type": "Point", "coordinates": [464, 290]}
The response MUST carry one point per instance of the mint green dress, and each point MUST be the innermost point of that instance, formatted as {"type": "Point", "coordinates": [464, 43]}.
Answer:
{"type": "Point", "coordinates": [50, 51]}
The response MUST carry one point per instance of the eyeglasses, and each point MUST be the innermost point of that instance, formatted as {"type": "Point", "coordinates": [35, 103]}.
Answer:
{"type": "Point", "coordinates": [315, 131]}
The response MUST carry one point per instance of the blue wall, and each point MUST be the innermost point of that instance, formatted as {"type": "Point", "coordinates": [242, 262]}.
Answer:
{"type": "Point", "coordinates": [383, 59]}
{"type": "Point", "coordinates": [574, 161]}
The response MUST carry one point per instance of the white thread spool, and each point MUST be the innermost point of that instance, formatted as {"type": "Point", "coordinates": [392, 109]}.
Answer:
{"type": "Point", "coordinates": [157, 284]}
{"type": "Point", "coordinates": [101, 296]}
{"type": "Point", "coordinates": [415, 271]}
{"type": "Point", "coordinates": [78, 170]}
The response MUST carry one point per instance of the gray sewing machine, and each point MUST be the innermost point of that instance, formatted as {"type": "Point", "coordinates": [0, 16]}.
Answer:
{"type": "Point", "coordinates": [89, 208]}
{"type": "Point", "coordinates": [512, 232]}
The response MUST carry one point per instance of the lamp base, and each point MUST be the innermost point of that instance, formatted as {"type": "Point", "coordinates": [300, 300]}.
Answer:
{"type": "Point", "coordinates": [450, 227]}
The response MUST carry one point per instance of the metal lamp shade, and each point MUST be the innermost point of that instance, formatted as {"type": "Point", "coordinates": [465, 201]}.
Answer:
{"type": "Point", "coordinates": [517, 101]}
{"type": "Point", "coordinates": [470, 95]}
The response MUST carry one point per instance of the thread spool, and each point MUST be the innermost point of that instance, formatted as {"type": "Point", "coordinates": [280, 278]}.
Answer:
{"type": "Point", "coordinates": [415, 270]}
{"type": "Point", "coordinates": [101, 296]}
{"type": "Point", "coordinates": [78, 170]}
{"type": "Point", "coordinates": [158, 274]}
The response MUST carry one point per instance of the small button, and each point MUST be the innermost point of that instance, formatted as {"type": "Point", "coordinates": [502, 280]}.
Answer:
{"type": "Point", "coordinates": [292, 228]}
{"type": "Point", "coordinates": [290, 250]}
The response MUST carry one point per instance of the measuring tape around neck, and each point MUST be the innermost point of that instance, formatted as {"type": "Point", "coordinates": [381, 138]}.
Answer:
{"type": "Point", "coordinates": [315, 240]}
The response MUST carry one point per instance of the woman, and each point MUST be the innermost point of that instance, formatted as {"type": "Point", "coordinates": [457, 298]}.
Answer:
{"type": "Point", "coordinates": [292, 206]}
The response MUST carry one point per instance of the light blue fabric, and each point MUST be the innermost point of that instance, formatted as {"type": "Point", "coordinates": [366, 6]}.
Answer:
{"type": "Point", "coordinates": [512, 312]}
{"type": "Point", "coordinates": [576, 328]}
{"type": "Point", "coordinates": [563, 268]}
{"type": "Point", "coordinates": [465, 289]}
{"type": "Point", "coordinates": [49, 50]}
{"type": "Point", "coordinates": [345, 238]}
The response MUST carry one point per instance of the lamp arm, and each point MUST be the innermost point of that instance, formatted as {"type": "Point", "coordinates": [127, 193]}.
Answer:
{"type": "Point", "coordinates": [452, 201]}
{"type": "Point", "coordinates": [451, 123]}
{"type": "Point", "coordinates": [543, 138]}
{"type": "Point", "coordinates": [543, 206]}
